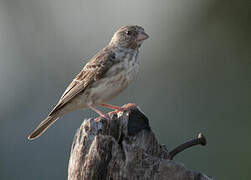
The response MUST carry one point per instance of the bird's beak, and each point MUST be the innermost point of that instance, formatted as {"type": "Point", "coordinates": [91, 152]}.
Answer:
{"type": "Point", "coordinates": [142, 36]}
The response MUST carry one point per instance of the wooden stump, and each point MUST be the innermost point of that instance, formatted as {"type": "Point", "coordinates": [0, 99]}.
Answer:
{"type": "Point", "coordinates": [124, 149]}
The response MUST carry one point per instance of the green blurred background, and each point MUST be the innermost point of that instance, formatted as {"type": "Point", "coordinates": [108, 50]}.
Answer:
{"type": "Point", "coordinates": [195, 77]}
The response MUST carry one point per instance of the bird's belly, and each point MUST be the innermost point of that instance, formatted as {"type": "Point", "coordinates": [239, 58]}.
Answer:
{"type": "Point", "coordinates": [105, 89]}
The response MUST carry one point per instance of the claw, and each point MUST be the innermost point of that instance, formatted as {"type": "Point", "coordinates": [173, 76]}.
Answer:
{"type": "Point", "coordinates": [112, 112]}
{"type": "Point", "coordinates": [103, 116]}
{"type": "Point", "coordinates": [128, 106]}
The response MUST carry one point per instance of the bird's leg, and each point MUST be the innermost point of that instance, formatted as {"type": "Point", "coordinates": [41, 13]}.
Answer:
{"type": "Point", "coordinates": [103, 115]}
{"type": "Point", "coordinates": [112, 107]}
{"type": "Point", "coordinates": [117, 108]}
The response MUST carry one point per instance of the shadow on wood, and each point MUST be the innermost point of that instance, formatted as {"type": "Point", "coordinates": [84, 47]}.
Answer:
{"type": "Point", "coordinates": [124, 149]}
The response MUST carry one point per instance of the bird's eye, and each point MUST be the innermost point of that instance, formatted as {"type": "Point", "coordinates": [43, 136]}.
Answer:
{"type": "Point", "coordinates": [129, 33]}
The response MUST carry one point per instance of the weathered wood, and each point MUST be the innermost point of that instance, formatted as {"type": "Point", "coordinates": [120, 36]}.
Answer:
{"type": "Point", "coordinates": [124, 149]}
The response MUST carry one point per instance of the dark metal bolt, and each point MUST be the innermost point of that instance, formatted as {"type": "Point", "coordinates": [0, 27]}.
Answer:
{"type": "Point", "coordinates": [199, 140]}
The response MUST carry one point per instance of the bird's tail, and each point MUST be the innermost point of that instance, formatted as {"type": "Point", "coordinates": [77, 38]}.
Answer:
{"type": "Point", "coordinates": [42, 127]}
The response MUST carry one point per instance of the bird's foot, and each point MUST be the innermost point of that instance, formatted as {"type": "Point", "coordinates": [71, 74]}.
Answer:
{"type": "Point", "coordinates": [128, 106]}
{"type": "Point", "coordinates": [112, 112]}
{"type": "Point", "coordinates": [103, 116]}
{"type": "Point", "coordinates": [117, 109]}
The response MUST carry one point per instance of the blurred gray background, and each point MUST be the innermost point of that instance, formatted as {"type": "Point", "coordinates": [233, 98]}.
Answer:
{"type": "Point", "coordinates": [195, 77]}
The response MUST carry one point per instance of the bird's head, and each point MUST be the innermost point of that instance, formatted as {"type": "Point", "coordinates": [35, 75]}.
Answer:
{"type": "Point", "coordinates": [129, 37]}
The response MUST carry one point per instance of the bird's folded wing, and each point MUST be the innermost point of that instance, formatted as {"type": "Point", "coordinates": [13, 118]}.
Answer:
{"type": "Point", "coordinates": [93, 71]}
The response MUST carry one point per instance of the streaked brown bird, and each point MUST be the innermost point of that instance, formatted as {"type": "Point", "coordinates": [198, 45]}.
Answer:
{"type": "Point", "coordinates": [102, 78]}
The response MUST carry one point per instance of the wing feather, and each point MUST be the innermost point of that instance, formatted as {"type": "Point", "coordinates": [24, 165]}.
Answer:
{"type": "Point", "coordinates": [92, 71]}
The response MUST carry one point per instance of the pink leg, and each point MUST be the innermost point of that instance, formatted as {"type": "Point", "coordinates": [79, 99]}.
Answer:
{"type": "Point", "coordinates": [100, 113]}
{"type": "Point", "coordinates": [112, 107]}
{"type": "Point", "coordinates": [117, 108]}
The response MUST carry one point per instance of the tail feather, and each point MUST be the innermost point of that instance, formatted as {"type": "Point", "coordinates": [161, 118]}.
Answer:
{"type": "Point", "coordinates": [42, 127]}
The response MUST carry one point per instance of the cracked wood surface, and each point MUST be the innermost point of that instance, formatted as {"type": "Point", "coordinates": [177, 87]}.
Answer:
{"type": "Point", "coordinates": [125, 149]}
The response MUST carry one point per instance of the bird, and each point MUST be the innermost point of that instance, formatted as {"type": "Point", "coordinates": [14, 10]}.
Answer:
{"type": "Point", "coordinates": [107, 73]}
